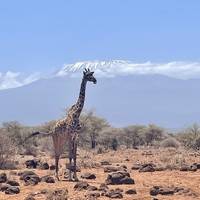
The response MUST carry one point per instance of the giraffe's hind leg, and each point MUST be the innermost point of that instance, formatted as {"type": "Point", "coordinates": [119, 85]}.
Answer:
{"type": "Point", "coordinates": [56, 164]}
{"type": "Point", "coordinates": [70, 160]}
{"type": "Point", "coordinates": [74, 158]}
{"type": "Point", "coordinates": [58, 146]}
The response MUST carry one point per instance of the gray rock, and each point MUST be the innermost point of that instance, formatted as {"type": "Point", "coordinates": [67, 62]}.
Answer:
{"type": "Point", "coordinates": [48, 179]}
{"type": "Point", "coordinates": [12, 190]}
{"type": "Point", "coordinates": [44, 166]}
{"type": "Point", "coordinates": [118, 178]}
{"type": "Point", "coordinates": [131, 191]}
{"type": "Point", "coordinates": [3, 177]}
{"type": "Point", "coordinates": [109, 169]}
{"type": "Point", "coordinates": [57, 194]}
{"type": "Point", "coordinates": [81, 186]}
{"type": "Point", "coordinates": [88, 176]}
{"type": "Point", "coordinates": [31, 164]}
{"type": "Point", "coordinates": [12, 183]}
{"type": "Point", "coordinates": [147, 168]}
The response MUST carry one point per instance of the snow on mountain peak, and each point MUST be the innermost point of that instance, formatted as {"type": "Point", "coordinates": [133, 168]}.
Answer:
{"type": "Point", "coordinates": [182, 70]}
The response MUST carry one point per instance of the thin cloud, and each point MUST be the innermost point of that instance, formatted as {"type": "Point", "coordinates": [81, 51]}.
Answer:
{"type": "Point", "coordinates": [15, 79]}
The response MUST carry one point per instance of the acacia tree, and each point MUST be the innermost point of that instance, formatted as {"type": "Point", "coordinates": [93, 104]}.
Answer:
{"type": "Point", "coordinates": [91, 127]}
{"type": "Point", "coordinates": [153, 133]}
{"type": "Point", "coordinates": [132, 135]}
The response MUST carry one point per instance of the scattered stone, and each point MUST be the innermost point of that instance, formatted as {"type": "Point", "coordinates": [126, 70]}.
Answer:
{"type": "Point", "coordinates": [23, 174]}
{"type": "Point", "coordinates": [57, 194]}
{"type": "Point", "coordinates": [114, 194]}
{"type": "Point", "coordinates": [88, 176]}
{"type": "Point", "coordinates": [4, 187]}
{"type": "Point", "coordinates": [44, 166]}
{"type": "Point", "coordinates": [103, 187]}
{"type": "Point", "coordinates": [3, 177]}
{"type": "Point", "coordinates": [131, 191]}
{"type": "Point", "coordinates": [48, 179]}
{"type": "Point", "coordinates": [109, 169]}
{"type": "Point", "coordinates": [81, 186]}
{"type": "Point", "coordinates": [29, 197]}
{"type": "Point", "coordinates": [52, 167]}
{"type": "Point", "coordinates": [12, 190]}
{"type": "Point", "coordinates": [161, 190]}
{"type": "Point", "coordinates": [136, 166]}
{"type": "Point", "coordinates": [147, 168]}
{"type": "Point", "coordinates": [118, 178]}
{"type": "Point", "coordinates": [78, 169]}
{"type": "Point", "coordinates": [30, 178]}
{"type": "Point", "coordinates": [92, 195]}
{"type": "Point", "coordinates": [12, 183]}
{"type": "Point", "coordinates": [92, 188]}
{"type": "Point", "coordinates": [31, 164]}
{"type": "Point", "coordinates": [104, 162]}
{"type": "Point", "coordinates": [185, 168]}
{"type": "Point", "coordinates": [197, 164]}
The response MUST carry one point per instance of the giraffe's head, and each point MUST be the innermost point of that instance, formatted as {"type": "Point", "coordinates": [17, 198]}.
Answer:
{"type": "Point", "coordinates": [89, 76]}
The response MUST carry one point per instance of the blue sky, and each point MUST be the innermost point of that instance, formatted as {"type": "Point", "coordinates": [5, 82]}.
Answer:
{"type": "Point", "coordinates": [42, 35]}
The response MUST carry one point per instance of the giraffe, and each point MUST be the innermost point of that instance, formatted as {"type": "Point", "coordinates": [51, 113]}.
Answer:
{"type": "Point", "coordinates": [68, 128]}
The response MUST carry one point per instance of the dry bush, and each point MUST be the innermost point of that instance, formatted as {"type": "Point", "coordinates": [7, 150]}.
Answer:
{"type": "Point", "coordinates": [7, 152]}
{"type": "Point", "coordinates": [170, 142]}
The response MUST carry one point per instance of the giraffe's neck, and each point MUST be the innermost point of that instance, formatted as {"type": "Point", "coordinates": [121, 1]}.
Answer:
{"type": "Point", "coordinates": [81, 98]}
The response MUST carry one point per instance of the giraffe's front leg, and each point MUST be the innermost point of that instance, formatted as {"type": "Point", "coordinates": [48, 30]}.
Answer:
{"type": "Point", "coordinates": [70, 160]}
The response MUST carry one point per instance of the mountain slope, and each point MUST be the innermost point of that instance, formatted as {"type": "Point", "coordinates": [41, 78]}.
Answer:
{"type": "Point", "coordinates": [122, 100]}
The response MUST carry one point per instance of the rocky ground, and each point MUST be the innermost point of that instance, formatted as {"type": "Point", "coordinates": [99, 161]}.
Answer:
{"type": "Point", "coordinates": [145, 174]}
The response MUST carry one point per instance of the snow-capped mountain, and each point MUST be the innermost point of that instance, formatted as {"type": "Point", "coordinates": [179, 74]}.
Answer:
{"type": "Point", "coordinates": [112, 68]}
{"type": "Point", "coordinates": [136, 94]}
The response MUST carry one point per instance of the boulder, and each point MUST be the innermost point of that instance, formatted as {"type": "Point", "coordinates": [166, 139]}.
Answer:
{"type": "Point", "coordinates": [81, 186]}
{"type": "Point", "coordinates": [92, 188]}
{"type": "Point", "coordinates": [161, 190]}
{"type": "Point", "coordinates": [44, 166]}
{"type": "Point", "coordinates": [48, 179]}
{"type": "Point", "coordinates": [29, 197]}
{"type": "Point", "coordinates": [4, 187]}
{"type": "Point", "coordinates": [31, 164]}
{"type": "Point", "coordinates": [52, 167]}
{"type": "Point", "coordinates": [136, 166]}
{"type": "Point", "coordinates": [105, 162]}
{"type": "Point", "coordinates": [131, 191]}
{"type": "Point", "coordinates": [88, 176]}
{"type": "Point", "coordinates": [12, 190]}
{"type": "Point", "coordinates": [197, 164]}
{"type": "Point", "coordinates": [3, 177]}
{"type": "Point", "coordinates": [118, 178]}
{"type": "Point", "coordinates": [23, 174]}
{"type": "Point", "coordinates": [103, 187]}
{"type": "Point", "coordinates": [12, 183]}
{"type": "Point", "coordinates": [185, 168]}
{"type": "Point", "coordinates": [147, 168]}
{"type": "Point", "coordinates": [78, 169]}
{"type": "Point", "coordinates": [57, 194]}
{"type": "Point", "coordinates": [92, 195]}
{"type": "Point", "coordinates": [114, 194]}
{"type": "Point", "coordinates": [109, 169]}
{"type": "Point", "coordinates": [30, 178]}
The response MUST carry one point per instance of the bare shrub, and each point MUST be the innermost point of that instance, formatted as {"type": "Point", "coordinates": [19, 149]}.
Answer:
{"type": "Point", "coordinates": [7, 152]}
{"type": "Point", "coordinates": [170, 142]}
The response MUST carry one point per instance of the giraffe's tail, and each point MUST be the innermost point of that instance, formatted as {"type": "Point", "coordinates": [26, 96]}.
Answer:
{"type": "Point", "coordinates": [38, 133]}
